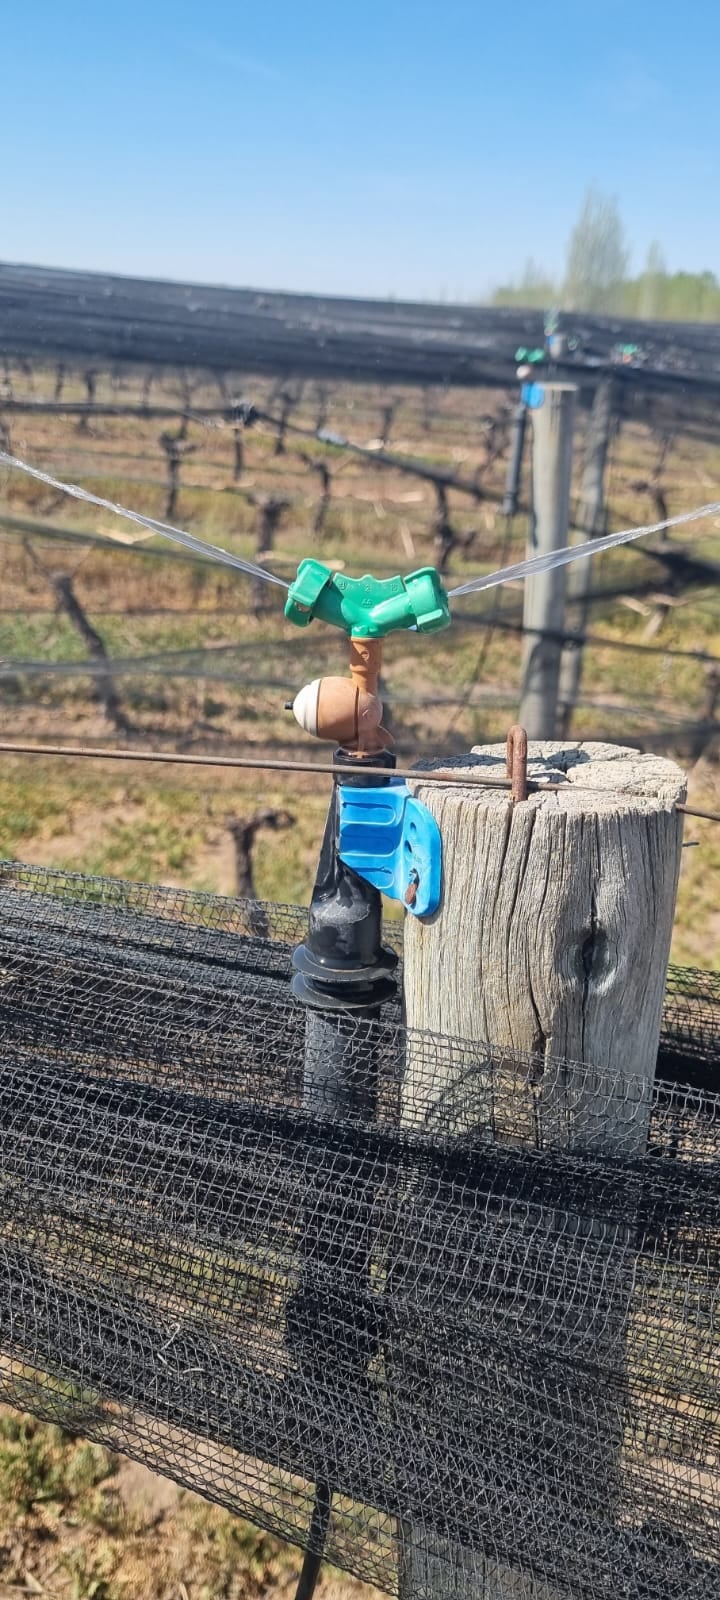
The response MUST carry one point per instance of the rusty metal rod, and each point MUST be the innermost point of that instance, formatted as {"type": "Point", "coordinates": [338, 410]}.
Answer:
{"type": "Point", "coordinates": [257, 764]}
{"type": "Point", "coordinates": [517, 760]}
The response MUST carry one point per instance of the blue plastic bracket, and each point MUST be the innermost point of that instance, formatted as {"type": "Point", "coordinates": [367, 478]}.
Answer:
{"type": "Point", "coordinates": [532, 395]}
{"type": "Point", "coordinates": [393, 841]}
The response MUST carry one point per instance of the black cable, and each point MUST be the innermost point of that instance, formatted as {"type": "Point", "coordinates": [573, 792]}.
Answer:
{"type": "Point", "coordinates": [317, 1538]}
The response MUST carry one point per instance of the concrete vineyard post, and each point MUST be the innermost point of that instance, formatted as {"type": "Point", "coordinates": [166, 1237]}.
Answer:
{"type": "Point", "coordinates": [543, 610]}
{"type": "Point", "coordinates": [591, 521]}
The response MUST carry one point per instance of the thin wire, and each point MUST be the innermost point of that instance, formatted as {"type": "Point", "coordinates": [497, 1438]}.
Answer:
{"type": "Point", "coordinates": [21, 527]}
{"type": "Point", "coordinates": [489, 622]}
{"type": "Point", "coordinates": [24, 527]}
{"type": "Point", "coordinates": [338, 441]}
{"type": "Point", "coordinates": [176, 535]}
{"type": "Point", "coordinates": [662, 718]}
{"type": "Point", "coordinates": [385, 458]}
{"type": "Point", "coordinates": [599, 641]}
{"type": "Point", "coordinates": [228, 417]}
{"type": "Point", "coordinates": [254, 764]}
{"type": "Point", "coordinates": [520, 569]}
{"type": "Point", "coordinates": [208, 614]}
{"type": "Point", "coordinates": [578, 552]}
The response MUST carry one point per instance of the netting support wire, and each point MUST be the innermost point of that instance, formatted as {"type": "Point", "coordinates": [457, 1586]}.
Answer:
{"type": "Point", "coordinates": [465, 780]}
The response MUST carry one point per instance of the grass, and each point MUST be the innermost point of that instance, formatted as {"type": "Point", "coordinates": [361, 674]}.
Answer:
{"type": "Point", "coordinates": [67, 1525]}
{"type": "Point", "coordinates": [155, 830]}
{"type": "Point", "coordinates": [38, 1464]}
{"type": "Point", "coordinates": [80, 1523]}
{"type": "Point", "coordinates": [696, 940]}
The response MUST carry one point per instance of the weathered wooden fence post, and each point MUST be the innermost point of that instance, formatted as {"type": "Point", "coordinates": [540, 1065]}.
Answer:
{"type": "Point", "coordinates": [544, 607]}
{"type": "Point", "coordinates": [552, 938]}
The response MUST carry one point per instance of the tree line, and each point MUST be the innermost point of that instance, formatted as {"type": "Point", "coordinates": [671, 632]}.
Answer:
{"type": "Point", "coordinates": [596, 276]}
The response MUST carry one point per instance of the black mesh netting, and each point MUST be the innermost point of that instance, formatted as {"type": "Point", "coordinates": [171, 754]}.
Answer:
{"type": "Point", "coordinates": [462, 1317]}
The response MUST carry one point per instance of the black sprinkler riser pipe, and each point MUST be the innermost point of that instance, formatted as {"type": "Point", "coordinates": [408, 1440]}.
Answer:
{"type": "Point", "coordinates": [343, 965]}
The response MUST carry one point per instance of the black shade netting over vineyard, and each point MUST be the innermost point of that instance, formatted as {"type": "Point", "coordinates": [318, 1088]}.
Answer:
{"type": "Point", "coordinates": [464, 1321]}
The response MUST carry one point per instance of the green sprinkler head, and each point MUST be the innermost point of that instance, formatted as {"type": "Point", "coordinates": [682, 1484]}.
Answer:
{"type": "Point", "coordinates": [367, 608]}
{"type": "Point", "coordinates": [529, 357]}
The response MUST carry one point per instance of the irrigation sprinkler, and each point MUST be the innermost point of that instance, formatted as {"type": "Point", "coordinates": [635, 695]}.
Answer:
{"type": "Point", "coordinates": [378, 837]}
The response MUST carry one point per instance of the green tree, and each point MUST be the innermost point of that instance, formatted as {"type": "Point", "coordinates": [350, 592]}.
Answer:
{"type": "Point", "coordinates": [597, 257]}
{"type": "Point", "coordinates": [651, 283]}
{"type": "Point", "coordinates": [596, 278]}
{"type": "Point", "coordinates": [536, 289]}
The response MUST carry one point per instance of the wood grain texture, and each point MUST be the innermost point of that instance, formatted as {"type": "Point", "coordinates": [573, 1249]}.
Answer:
{"type": "Point", "coordinates": [552, 938]}
{"type": "Point", "coordinates": [554, 930]}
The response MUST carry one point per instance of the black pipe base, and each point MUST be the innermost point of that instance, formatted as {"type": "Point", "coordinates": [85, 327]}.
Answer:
{"type": "Point", "coordinates": [343, 964]}
{"type": "Point", "coordinates": [345, 993]}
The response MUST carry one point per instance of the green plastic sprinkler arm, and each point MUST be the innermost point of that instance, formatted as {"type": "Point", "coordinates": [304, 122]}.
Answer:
{"type": "Point", "coordinates": [368, 608]}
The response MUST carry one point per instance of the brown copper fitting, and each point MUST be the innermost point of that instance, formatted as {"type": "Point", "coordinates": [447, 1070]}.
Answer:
{"type": "Point", "coordinates": [348, 710]}
{"type": "Point", "coordinates": [366, 664]}
{"type": "Point", "coordinates": [365, 667]}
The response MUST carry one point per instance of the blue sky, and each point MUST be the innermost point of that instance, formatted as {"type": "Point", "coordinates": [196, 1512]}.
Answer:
{"type": "Point", "coordinates": [415, 149]}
